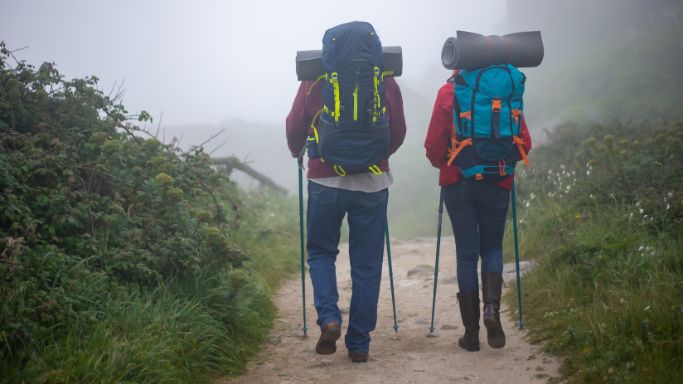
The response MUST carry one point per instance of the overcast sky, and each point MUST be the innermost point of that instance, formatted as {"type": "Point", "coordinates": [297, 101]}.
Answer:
{"type": "Point", "coordinates": [205, 61]}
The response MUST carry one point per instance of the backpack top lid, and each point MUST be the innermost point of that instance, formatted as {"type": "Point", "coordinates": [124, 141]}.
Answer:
{"type": "Point", "coordinates": [345, 43]}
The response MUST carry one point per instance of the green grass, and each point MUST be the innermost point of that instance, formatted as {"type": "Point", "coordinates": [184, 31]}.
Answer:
{"type": "Point", "coordinates": [605, 225]}
{"type": "Point", "coordinates": [188, 330]}
{"type": "Point", "coordinates": [149, 338]}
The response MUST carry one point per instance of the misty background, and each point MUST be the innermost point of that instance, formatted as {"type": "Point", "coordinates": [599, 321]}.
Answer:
{"type": "Point", "coordinates": [205, 66]}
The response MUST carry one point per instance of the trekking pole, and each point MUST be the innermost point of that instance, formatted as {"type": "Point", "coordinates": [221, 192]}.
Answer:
{"type": "Point", "coordinates": [391, 274]}
{"type": "Point", "coordinates": [300, 168]}
{"type": "Point", "coordinates": [514, 227]}
{"type": "Point", "coordinates": [436, 263]}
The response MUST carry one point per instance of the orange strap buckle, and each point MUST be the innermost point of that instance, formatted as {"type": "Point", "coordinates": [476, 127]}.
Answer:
{"type": "Point", "coordinates": [516, 113]}
{"type": "Point", "coordinates": [496, 105]}
{"type": "Point", "coordinates": [456, 148]}
{"type": "Point", "coordinates": [520, 146]}
{"type": "Point", "coordinates": [466, 115]}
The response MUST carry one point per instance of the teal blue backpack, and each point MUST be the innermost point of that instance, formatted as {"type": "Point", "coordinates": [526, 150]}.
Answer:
{"type": "Point", "coordinates": [487, 116]}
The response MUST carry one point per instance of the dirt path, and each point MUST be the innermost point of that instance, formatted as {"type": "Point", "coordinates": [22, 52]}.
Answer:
{"type": "Point", "coordinates": [411, 356]}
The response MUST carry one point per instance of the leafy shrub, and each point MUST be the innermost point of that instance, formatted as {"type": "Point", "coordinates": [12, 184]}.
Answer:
{"type": "Point", "coordinates": [92, 214]}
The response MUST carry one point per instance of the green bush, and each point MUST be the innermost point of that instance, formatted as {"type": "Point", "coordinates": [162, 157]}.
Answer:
{"type": "Point", "coordinates": [607, 292]}
{"type": "Point", "coordinates": [123, 258]}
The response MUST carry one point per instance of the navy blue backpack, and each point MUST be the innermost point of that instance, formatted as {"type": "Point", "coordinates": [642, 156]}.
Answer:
{"type": "Point", "coordinates": [487, 116]}
{"type": "Point", "coordinates": [352, 132]}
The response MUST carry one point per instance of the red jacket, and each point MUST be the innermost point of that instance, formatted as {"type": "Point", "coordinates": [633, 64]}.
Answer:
{"type": "Point", "coordinates": [439, 137]}
{"type": "Point", "coordinates": [307, 104]}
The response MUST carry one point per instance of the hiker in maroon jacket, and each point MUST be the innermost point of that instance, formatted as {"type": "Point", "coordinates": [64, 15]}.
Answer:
{"type": "Point", "coordinates": [363, 196]}
{"type": "Point", "coordinates": [477, 210]}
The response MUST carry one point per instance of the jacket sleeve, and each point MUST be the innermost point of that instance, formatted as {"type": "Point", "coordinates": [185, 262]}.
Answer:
{"type": "Point", "coordinates": [440, 125]}
{"type": "Point", "coordinates": [397, 120]}
{"type": "Point", "coordinates": [297, 122]}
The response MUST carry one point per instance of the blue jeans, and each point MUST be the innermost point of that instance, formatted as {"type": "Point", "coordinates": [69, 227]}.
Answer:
{"type": "Point", "coordinates": [477, 211]}
{"type": "Point", "coordinates": [367, 214]}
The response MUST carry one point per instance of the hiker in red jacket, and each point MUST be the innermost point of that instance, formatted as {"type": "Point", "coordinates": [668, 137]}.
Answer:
{"type": "Point", "coordinates": [477, 210]}
{"type": "Point", "coordinates": [363, 196]}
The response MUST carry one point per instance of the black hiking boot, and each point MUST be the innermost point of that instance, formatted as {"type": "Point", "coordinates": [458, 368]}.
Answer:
{"type": "Point", "coordinates": [469, 311]}
{"type": "Point", "coordinates": [491, 287]}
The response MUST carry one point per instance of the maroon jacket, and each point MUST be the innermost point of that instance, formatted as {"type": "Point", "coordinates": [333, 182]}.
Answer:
{"type": "Point", "coordinates": [439, 137]}
{"type": "Point", "coordinates": [309, 101]}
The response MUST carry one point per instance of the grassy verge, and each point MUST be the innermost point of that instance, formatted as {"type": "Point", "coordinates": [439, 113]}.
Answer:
{"type": "Point", "coordinates": [123, 259]}
{"type": "Point", "coordinates": [601, 211]}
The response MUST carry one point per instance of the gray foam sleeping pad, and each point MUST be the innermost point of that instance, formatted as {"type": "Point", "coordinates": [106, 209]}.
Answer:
{"type": "Point", "coordinates": [471, 50]}
{"type": "Point", "coordinates": [309, 65]}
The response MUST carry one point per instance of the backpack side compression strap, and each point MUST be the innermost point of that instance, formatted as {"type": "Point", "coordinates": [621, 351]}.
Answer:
{"type": "Point", "coordinates": [457, 146]}
{"type": "Point", "coordinates": [334, 80]}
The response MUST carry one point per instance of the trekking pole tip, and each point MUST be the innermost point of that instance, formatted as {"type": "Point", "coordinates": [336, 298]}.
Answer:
{"type": "Point", "coordinates": [395, 328]}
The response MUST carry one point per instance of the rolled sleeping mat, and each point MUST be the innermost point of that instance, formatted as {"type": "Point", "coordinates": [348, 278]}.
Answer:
{"type": "Point", "coordinates": [471, 50]}
{"type": "Point", "coordinates": [309, 64]}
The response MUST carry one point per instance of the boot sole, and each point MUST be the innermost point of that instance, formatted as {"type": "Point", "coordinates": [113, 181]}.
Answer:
{"type": "Point", "coordinates": [493, 327]}
{"type": "Point", "coordinates": [358, 357]}
{"type": "Point", "coordinates": [328, 341]}
{"type": "Point", "coordinates": [470, 349]}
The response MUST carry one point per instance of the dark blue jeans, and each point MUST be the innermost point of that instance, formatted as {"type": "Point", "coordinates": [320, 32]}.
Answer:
{"type": "Point", "coordinates": [367, 214]}
{"type": "Point", "coordinates": [477, 211]}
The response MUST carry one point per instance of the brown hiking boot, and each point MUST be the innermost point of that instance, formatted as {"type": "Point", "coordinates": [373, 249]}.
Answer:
{"type": "Point", "coordinates": [327, 343]}
{"type": "Point", "coordinates": [358, 357]}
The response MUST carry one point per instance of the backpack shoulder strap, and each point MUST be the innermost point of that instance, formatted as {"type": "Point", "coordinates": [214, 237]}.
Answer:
{"type": "Point", "coordinates": [456, 146]}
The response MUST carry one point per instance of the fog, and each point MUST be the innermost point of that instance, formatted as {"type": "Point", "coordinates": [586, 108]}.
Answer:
{"type": "Point", "coordinates": [204, 66]}
{"type": "Point", "coordinates": [209, 66]}
{"type": "Point", "coordinates": [203, 62]}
